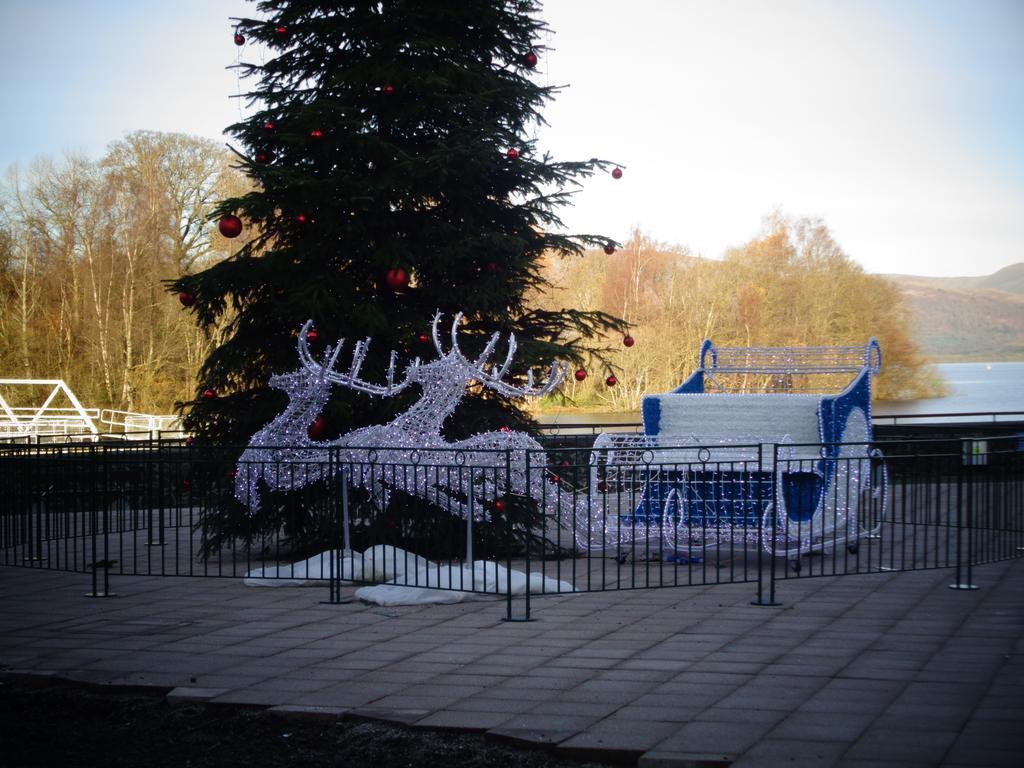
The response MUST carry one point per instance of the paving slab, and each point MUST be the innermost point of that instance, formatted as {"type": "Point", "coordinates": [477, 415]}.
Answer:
{"type": "Point", "coordinates": [882, 669]}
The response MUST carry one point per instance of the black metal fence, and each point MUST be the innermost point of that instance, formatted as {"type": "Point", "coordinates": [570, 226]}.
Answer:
{"type": "Point", "coordinates": [516, 524]}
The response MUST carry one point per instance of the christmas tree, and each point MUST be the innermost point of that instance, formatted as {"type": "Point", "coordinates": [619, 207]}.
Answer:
{"type": "Point", "coordinates": [389, 144]}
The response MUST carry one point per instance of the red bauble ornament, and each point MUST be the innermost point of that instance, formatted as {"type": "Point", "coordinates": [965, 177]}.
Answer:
{"type": "Point", "coordinates": [316, 133]}
{"type": "Point", "coordinates": [264, 156]}
{"type": "Point", "coordinates": [312, 336]}
{"type": "Point", "coordinates": [628, 341]}
{"type": "Point", "coordinates": [397, 279]}
{"type": "Point", "coordinates": [230, 226]}
{"type": "Point", "coordinates": [580, 374]}
{"type": "Point", "coordinates": [423, 338]}
{"type": "Point", "coordinates": [189, 440]}
{"type": "Point", "coordinates": [233, 474]}
{"type": "Point", "coordinates": [513, 153]}
{"type": "Point", "coordinates": [281, 32]}
{"type": "Point", "coordinates": [389, 89]}
{"type": "Point", "coordinates": [186, 298]}
{"type": "Point", "coordinates": [617, 173]}
{"type": "Point", "coordinates": [239, 38]}
{"type": "Point", "coordinates": [611, 381]}
{"type": "Point", "coordinates": [268, 126]}
{"type": "Point", "coordinates": [186, 483]}
{"type": "Point", "coordinates": [209, 394]}
{"type": "Point", "coordinates": [499, 505]}
{"type": "Point", "coordinates": [317, 428]}
{"type": "Point", "coordinates": [302, 219]}
{"type": "Point", "coordinates": [505, 429]}
{"type": "Point", "coordinates": [530, 60]}
{"type": "Point", "coordinates": [609, 249]}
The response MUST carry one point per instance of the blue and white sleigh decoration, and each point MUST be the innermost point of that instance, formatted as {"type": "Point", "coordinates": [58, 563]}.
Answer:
{"type": "Point", "coordinates": [759, 444]}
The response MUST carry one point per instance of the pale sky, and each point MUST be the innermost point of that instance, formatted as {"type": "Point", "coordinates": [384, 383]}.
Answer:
{"type": "Point", "coordinates": [901, 124]}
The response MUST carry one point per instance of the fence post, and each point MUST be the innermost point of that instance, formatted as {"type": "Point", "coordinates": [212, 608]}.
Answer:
{"type": "Point", "coordinates": [469, 522]}
{"type": "Point", "coordinates": [346, 516]}
{"type": "Point", "coordinates": [1017, 505]}
{"type": "Point", "coordinates": [509, 543]}
{"type": "Point", "coordinates": [963, 489]}
{"type": "Point", "coordinates": [336, 548]}
{"type": "Point", "coordinates": [30, 533]}
{"type": "Point", "coordinates": [33, 528]}
{"type": "Point", "coordinates": [159, 496]}
{"type": "Point", "coordinates": [508, 557]}
{"type": "Point", "coordinates": [761, 531]}
{"type": "Point", "coordinates": [94, 516]}
{"type": "Point", "coordinates": [526, 525]}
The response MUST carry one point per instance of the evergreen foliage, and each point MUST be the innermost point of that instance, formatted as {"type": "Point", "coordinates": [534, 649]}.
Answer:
{"type": "Point", "coordinates": [380, 141]}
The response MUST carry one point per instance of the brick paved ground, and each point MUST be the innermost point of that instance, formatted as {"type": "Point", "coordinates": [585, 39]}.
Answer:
{"type": "Point", "coordinates": [883, 669]}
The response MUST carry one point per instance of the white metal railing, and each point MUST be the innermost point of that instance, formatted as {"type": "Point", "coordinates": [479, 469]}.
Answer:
{"type": "Point", "coordinates": [73, 422]}
{"type": "Point", "coordinates": [44, 418]}
{"type": "Point", "coordinates": [138, 425]}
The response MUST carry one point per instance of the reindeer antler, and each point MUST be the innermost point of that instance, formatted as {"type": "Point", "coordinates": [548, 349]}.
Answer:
{"type": "Point", "coordinates": [493, 380]}
{"type": "Point", "coordinates": [350, 379]}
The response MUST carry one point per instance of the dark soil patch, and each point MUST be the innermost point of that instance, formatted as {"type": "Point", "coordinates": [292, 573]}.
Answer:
{"type": "Point", "coordinates": [48, 723]}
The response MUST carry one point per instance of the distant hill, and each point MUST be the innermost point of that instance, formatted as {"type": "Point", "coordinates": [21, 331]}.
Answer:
{"type": "Point", "coordinates": [1009, 279]}
{"type": "Point", "coordinates": [968, 318]}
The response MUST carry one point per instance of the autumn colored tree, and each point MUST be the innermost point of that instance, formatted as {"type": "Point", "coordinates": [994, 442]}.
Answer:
{"type": "Point", "coordinates": [791, 285]}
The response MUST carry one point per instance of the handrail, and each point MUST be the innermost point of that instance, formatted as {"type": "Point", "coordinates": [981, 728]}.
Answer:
{"type": "Point", "coordinates": [139, 421]}
{"type": "Point", "coordinates": [988, 417]}
{"type": "Point", "coordinates": [24, 409]}
{"type": "Point", "coordinates": [593, 428]}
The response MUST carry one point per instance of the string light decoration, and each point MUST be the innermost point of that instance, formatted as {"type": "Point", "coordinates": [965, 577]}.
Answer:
{"type": "Point", "coordinates": [674, 489]}
{"type": "Point", "coordinates": [694, 489]}
{"type": "Point", "coordinates": [706, 466]}
{"type": "Point", "coordinates": [470, 477]}
{"type": "Point", "coordinates": [699, 492]}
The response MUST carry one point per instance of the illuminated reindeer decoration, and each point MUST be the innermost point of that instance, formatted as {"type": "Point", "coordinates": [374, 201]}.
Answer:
{"type": "Point", "coordinates": [465, 477]}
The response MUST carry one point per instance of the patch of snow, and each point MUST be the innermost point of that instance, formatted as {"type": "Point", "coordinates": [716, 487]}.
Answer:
{"type": "Point", "coordinates": [408, 579]}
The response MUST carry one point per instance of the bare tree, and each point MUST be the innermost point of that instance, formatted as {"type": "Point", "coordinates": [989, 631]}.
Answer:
{"type": "Point", "coordinates": [84, 248]}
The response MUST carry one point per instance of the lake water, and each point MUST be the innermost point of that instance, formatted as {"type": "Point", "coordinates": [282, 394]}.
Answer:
{"type": "Point", "coordinates": [973, 388]}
